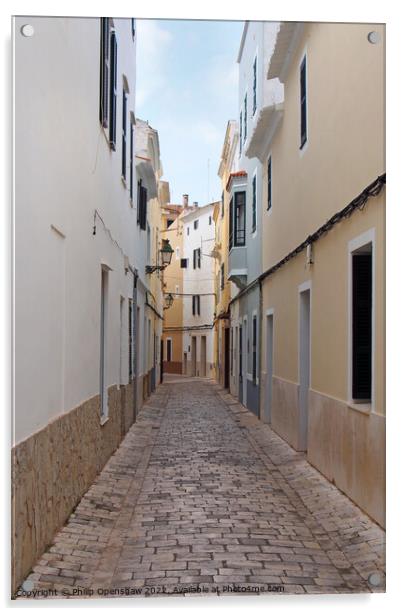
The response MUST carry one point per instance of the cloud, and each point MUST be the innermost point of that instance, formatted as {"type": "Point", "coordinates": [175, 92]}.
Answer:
{"type": "Point", "coordinates": [153, 45]}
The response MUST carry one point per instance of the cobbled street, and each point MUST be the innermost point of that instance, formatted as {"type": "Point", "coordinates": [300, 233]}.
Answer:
{"type": "Point", "coordinates": [202, 497]}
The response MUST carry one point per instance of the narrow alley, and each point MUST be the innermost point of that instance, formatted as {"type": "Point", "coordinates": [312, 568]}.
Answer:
{"type": "Point", "coordinates": [202, 497]}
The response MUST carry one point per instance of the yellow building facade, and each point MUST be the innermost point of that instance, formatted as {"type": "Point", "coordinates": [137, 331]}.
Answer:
{"type": "Point", "coordinates": [172, 230]}
{"type": "Point", "coordinates": [323, 287]}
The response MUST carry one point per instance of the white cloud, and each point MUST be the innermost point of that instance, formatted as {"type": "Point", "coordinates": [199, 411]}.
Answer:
{"type": "Point", "coordinates": [153, 44]}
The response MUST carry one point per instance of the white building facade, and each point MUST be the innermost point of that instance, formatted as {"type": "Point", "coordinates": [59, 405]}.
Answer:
{"type": "Point", "coordinates": [81, 290]}
{"type": "Point", "coordinates": [198, 291]}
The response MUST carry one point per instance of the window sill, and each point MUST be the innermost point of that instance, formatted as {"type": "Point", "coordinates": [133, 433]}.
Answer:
{"type": "Point", "coordinates": [104, 420]}
{"type": "Point", "coordinates": [363, 407]}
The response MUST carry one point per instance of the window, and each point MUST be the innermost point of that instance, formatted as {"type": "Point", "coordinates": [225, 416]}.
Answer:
{"type": "Point", "coordinates": [142, 206]}
{"type": "Point", "coordinates": [223, 204]}
{"type": "Point", "coordinates": [241, 131]}
{"type": "Point", "coordinates": [183, 263]}
{"type": "Point", "coordinates": [269, 181]}
{"type": "Point", "coordinates": [303, 103]}
{"type": "Point", "coordinates": [104, 71]}
{"type": "Point", "coordinates": [222, 276]}
{"type": "Point", "coordinates": [362, 323]}
{"type": "Point", "coordinates": [113, 90]}
{"type": "Point", "coordinates": [245, 118]}
{"type": "Point", "coordinates": [254, 349]}
{"type": "Point", "coordinates": [254, 204]}
{"type": "Point", "coordinates": [169, 349]}
{"type": "Point", "coordinates": [131, 161]}
{"type": "Point", "coordinates": [196, 224]}
{"type": "Point", "coordinates": [210, 220]}
{"type": "Point", "coordinates": [196, 305]}
{"type": "Point", "coordinates": [133, 27]}
{"type": "Point", "coordinates": [169, 222]}
{"type": "Point", "coordinates": [188, 230]}
{"type": "Point", "coordinates": [237, 220]}
{"type": "Point", "coordinates": [255, 86]}
{"type": "Point", "coordinates": [197, 258]}
{"type": "Point", "coordinates": [124, 135]}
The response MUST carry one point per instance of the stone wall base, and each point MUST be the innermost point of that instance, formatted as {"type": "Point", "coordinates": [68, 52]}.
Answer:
{"type": "Point", "coordinates": [285, 410]}
{"type": "Point", "coordinates": [348, 447]}
{"type": "Point", "coordinates": [54, 467]}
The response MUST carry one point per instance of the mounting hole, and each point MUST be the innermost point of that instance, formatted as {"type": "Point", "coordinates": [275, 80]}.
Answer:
{"type": "Point", "coordinates": [373, 37]}
{"type": "Point", "coordinates": [375, 579]}
{"type": "Point", "coordinates": [27, 30]}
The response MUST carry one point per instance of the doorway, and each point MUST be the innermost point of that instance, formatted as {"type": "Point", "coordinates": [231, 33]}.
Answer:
{"type": "Point", "coordinates": [304, 366]}
{"type": "Point", "coordinates": [226, 380]}
{"type": "Point", "coordinates": [203, 356]}
{"type": "Point", "coordinates": [193, 356]}
{"type": "Point", "coordinates": [269, 363]}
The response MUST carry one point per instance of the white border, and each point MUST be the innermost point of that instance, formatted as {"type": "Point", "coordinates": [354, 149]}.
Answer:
{"type": "Point", "coordinates": [368, 237]}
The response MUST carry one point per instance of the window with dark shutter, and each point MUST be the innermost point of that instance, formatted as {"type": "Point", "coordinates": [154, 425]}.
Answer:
{"type": "Point", "coordinates": [124, 135]}
{"type": "Point", "coordinates": [104, 71]}
{"type": "Point", "coordinates": [193, 298]}
{"type": "Point", "coordinates": [199, 305]}
{"type": "Point", "coordinates": [222, 276]}
{"type": "Point", "coordinates": [245, 118]}
{"type": "Point", "coordinates": [133, 27]}
{"type": "Point", "coordinates": [183, 263]}
{"type": "Point", "coordinates": [113, 90]}
{"type": "Point", "coordinates": [269, 178]}
{"type": "Point", "coordinates": [361, 326]}
{"type": "Point", "coordinates": [169, 349]}
{"type": "Point", "coordinates": [131, 160]}
{"type": "Point", "coordinates": [196, 224]}
{"type": "Point", "coordinates": [239, 231]}
{"type": "Point", "coordinates": [141, 205]}
{"type": "Point", "coordinates": [130, 339]}
{"type": "Point", "coordinates": [303, 103]}
{"type": "Point", "coordinates": [254, 204]}
{"type": "Point", "coordinates": [194, 258]}
{"type": "Point", "coordinates": [241, 131]}
{"type": "Point", "coordinates": [254, 349]}
{"type": "Point", "coordinates": [255, 86]}
{"type": "Point", "coordinates": [199, 257]}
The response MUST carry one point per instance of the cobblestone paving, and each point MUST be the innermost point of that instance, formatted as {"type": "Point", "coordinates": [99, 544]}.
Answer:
{"type": "Point", "coordinates": [202, 497]}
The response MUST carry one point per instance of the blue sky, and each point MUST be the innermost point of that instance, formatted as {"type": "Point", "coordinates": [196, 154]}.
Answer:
{"type": "Point", "coordinates": [187, 90]}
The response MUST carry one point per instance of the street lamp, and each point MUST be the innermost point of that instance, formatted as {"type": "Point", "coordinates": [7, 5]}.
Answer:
{"type": "Point", "coordinates": [168, 301]}
{"type": "Point", "coordinates": [166, 253]}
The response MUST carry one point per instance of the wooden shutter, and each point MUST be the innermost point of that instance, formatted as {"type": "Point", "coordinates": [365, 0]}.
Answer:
{"type": "Point", "coordinates": [124, 135]}
{"type": "Point", "coordinates": [130, 338]}
{"type": "Point", "coordinates": [362, 326]}
{"type": "Point", "coordinates": [104, 72]}
{"type": "Point", "coordinates": [254, 211]}
{"type": "Point", "coordinates": [255, 85]}
{"type": "Point", "coordinates": [303, 103]}
{"type": "Point", "coordinates": [143, 207]}
{"type": "Point", "coordinates": [113, 90]}
{"type": "Point", "coordinates": [194, 259]}
{"type": "Point", "coordinates": [193, 298]}
{"type": "Point", "coordinates": [269, 175]}
{"type": "Point", "coordinates": [198, 305]}
{"type": "Point", "coordinates": [131, 160]}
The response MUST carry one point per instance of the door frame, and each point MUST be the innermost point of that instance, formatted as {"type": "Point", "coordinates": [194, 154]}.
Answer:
{"type": "Point", "coordinates": [304, 288]}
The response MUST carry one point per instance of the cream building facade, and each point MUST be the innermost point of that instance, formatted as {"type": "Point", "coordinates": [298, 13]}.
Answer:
{"type": "Point", "coordinates": [322, 338]}
{"type": "Point", "coordinates": [82, 295]}
{"type": "Point", "coordinates": [198, 291]}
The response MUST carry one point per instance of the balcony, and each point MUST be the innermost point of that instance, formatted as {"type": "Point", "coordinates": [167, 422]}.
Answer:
{"type": "Point", "coordinates": [267, 120]}
{"type": "Point", "coordinates": [237, 266]}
